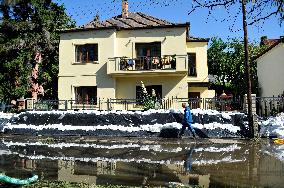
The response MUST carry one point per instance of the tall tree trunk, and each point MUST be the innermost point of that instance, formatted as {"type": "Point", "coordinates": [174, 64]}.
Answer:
{"type": "Point", "coordinates": [247, 65]}
{"type": "Point", "coordinates": [35, 87]}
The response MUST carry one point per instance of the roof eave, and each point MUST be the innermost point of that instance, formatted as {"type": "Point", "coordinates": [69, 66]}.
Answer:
{"type": "Point", "coordinates": [121, 28]}
{"type": "Point", "coordinates": [281, 40]}
{"type": "Point", "coordinates": [85, 29]}
{"type": "Point", "coordinates": [154, 27]}
{"type": "Point", "coordinates": [198, 40]}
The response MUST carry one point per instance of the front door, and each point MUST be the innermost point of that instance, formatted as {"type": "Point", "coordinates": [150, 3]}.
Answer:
{"type": "Point", "coordinates": [194, 99]}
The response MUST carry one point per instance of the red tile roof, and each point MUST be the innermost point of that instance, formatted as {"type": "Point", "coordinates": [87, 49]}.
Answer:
{"type": "Point", "coordinates": [134, 20]}
{"type": "Point", "coordinates": [270, 42]}
{"type": "Point", "coordinates": [271, 46]}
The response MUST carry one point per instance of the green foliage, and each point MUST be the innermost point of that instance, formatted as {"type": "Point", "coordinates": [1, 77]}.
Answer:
{"type": "Point", "coordinates": [26, 27]}
{"type": "Point", "coordinates": [149, 101]}
{"type": "Point", "coordinates": [58, 184]}
{"type": "Point", "coordinates": [226, 63]}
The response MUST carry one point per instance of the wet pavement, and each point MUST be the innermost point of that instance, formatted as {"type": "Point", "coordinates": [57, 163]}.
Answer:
{"type": "Point", "coordinates": [145, 161]}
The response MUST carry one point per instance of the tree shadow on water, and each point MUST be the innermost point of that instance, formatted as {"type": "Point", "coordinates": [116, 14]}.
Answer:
{"type": "Point", "coordinates": [5, 185]}
{"type": "Point", "coordinates": [173, 133]}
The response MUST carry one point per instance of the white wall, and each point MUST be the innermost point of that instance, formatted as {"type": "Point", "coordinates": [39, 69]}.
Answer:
{"type": "Point", "coordinates": [270, 72]}
{"type": "Point", "coordinates": [200, 48]}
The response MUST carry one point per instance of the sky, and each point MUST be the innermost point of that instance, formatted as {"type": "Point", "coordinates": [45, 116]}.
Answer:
{"type": "Point", "coordinates": [202, 25]}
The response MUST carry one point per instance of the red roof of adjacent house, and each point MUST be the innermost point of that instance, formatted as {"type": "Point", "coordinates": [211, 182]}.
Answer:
{"type": "Point", "coordinates": [270, 42]}
{"type": "Point", "coordinates": [273, 43]}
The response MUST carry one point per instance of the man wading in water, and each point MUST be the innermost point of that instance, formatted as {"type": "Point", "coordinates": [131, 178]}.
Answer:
{"type": "Point", "coordinates": [187, 120]}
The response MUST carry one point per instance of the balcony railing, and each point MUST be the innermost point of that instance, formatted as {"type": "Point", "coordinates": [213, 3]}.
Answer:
{"type": "Point", "coordinates": [146, 63]}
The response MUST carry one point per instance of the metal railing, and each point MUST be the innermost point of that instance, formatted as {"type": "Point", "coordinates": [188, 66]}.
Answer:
{"type": "Point", "coordinates": [265, 106]}
{"type": "Point", "coordinates": [269, 106]}
{"type": "Point", "coordinates": [137, 104]}
{"type": "Point", "coordinates": [92, 104]}
{"type": "Point", "coordinates": [125, 104]}
{"type": "Point", "coordinates": [146, 63]}
{"type": "Point", "coordinates": [219, 104]}
{"type": "Point", "coordinates": [44, 105]}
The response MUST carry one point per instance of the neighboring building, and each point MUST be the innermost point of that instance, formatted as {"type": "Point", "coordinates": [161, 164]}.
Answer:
{"type": "Point", "coordinates": [110, 59]}
{"type": "Point", "coordinates": [270, 69]}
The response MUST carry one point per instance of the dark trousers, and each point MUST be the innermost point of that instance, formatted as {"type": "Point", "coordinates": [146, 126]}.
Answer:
{"type": "Point", "coordinates": [184, 125]}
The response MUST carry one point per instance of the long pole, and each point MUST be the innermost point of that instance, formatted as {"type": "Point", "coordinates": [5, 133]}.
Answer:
{"type": "Point", "coordinates": [247, 65]}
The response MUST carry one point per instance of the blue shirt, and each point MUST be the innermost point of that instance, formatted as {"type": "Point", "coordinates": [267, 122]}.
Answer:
{"type": "Point", "coordinates": [187, 118]}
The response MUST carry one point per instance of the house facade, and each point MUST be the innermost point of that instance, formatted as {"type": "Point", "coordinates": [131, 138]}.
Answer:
{"type": "Point", "coordinates": [110, 59]}
{"type": "Point", "coordinates": [270, 70]}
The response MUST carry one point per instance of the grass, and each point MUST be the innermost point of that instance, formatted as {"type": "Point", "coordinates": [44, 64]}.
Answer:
{"type": "Point", "coordinates": [58, 184]}
{"type": "Point", "coordinates": [62, 184]}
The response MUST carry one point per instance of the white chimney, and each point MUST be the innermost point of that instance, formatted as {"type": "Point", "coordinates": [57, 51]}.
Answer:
{"type": "Point", "coordinates": [124, 8]}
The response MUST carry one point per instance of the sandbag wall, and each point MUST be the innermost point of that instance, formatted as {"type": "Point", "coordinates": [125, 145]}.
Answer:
{"type": "Point", "coordinates": [119, 123]}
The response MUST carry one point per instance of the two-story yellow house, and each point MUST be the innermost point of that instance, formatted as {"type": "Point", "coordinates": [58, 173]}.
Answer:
{"type": "Point", "coordinates": [109, 59]}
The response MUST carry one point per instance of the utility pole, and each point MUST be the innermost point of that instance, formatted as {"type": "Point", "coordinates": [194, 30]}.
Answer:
{"type": "Point", "coordinates": [247, 66]}
{"type": "Point", "coordinates": [256, 15]}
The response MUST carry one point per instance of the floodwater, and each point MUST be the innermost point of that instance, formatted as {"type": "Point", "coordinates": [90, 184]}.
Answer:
{"type": "Point", "coordinates": [145, 161]}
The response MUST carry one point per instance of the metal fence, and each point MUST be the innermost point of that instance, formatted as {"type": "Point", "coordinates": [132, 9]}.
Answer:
{"type": "Point", "coordinates": [137, 104]}
{"type": "Point", "coordinates": [219, 104]}
{"type": "Point", "coordinates": [269, 106]}
{"type": "Point", "coordinates": [67, 104]}
{"type": "Point", "coordinates": [265, 106]}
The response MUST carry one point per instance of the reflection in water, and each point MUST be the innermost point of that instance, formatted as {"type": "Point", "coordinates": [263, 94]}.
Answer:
{"type": "Point", "coordinates": [143, 162]}
{"type": "Point", "coordinates": [188, 161]}
{"type": "Point", "coordinates": [67, 172]}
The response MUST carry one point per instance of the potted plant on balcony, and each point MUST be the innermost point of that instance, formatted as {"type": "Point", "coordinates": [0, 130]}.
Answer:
{"type": "Point", "coordinates": [173, 61]}
{"type": "Point", "coordinates": [123, 63]}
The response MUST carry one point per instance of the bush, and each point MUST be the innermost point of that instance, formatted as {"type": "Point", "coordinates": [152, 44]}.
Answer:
{"type": "Point", "coordinates": [149, 101]}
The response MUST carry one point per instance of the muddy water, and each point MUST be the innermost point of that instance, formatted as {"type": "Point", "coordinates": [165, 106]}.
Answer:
{"type": "Point", "coordinates": [141, 161]}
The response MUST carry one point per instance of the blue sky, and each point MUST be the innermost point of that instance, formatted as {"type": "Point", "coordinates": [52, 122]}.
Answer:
{"type": "Point", "coordinates": [83, 11]}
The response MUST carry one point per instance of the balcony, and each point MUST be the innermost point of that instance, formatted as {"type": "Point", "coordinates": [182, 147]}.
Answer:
{"type": "Point", "coordinates": [167, 65]}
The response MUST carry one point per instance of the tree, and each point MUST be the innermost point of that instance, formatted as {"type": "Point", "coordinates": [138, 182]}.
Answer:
{"type": "Point", "coordinates": [225, 62]}
{"type": "Point", "coordinates": [255, 12]}
{"type": "Point", "coordinates": [29, 27]}
{"type": "Point", "coordinates": [217, 61]}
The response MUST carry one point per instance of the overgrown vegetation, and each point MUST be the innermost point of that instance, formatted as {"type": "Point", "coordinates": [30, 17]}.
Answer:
{"type": "Point", "coordinates": [225, 62]}
{"type": "Point", "coordinates": [58, 184]}
{"type": "Point", "coordinates": [27, 27]}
